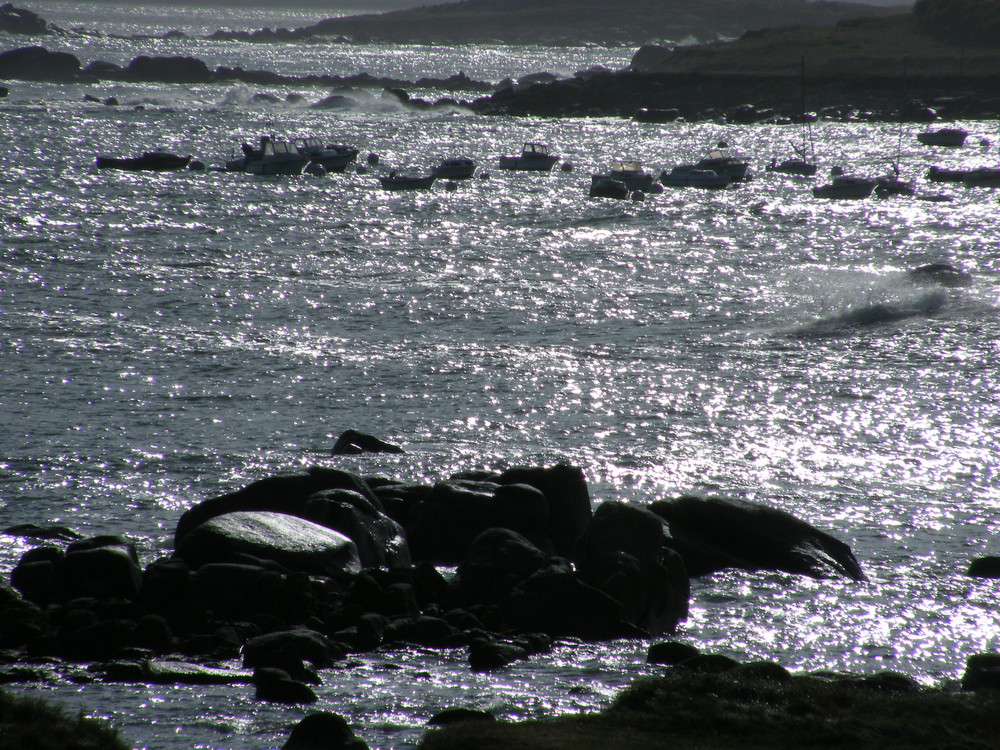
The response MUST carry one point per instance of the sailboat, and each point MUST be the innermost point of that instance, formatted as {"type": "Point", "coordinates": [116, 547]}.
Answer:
{"type": "Point", "coordinates": [800, 164]}
{"type": "Point", "coordinates": [893, 184]}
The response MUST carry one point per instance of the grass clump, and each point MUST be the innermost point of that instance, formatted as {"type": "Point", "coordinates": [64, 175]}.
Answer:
{"type": "Point", "coordinates": [690, 711]}
{"type": "Point", "coordinates": [33, 724]}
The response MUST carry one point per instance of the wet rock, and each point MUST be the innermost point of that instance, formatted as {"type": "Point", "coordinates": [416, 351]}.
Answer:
{"type": "Point", "coordinates": [708, 664]}
{"type": "Point", "coordinates": [303, 644]}
{"type": "Point", "coordinates": [626, 554]}
{"type": "Point", "coordinates": [353, 442]}
{"type": "Point", "coordinates": [287, 540]}
{"type": "Point", "coordinates": [105, 566]}
{"type": "Point", "coordinates": [21, 21]}
{"type": "Point", "coordinates": [33, 531]}
{"type": "Point", "coordinates": [323, 731]}
{"type": "Point", "coordinates": [168, 70]}
{"type": "Point", "coordinates": [39, 64]}
{"type": "Point", "coordinates": [431, 632]}
{"type": "Point", "coordinates": [459, 715]}
{"type": "Point", "coordinates": [276, 686]}
{"type": "Point", "coordinates": [985, 567]}
{"type": "Point", "coordinates": [982, 671]}
{"type": "Point", "coordinates": [486, 654]}
{"type": "Point", "coordinates": [381, 542]}
{"type": "Point", "coordinates": [715, 533]}
{"type": "Point", "coordinates": [670, 652]}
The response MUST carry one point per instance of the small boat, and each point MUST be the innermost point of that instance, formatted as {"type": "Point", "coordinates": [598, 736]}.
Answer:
{"type": "Point", "coordinates": [630, 173]}
{"type": "Point", "coordinates": [397, 181]}
{"type": "Point", "coordinates": [845, 187]}
{"type": "Point", "coordinates": [689, 175]}
{"type": "Point", "coordinates": [151, 161]}
{"type": "Point", "coordinates": [890, 185]}
{"type": "Point", "coordinates": [950, 137]}
{"type": "Point", "coordinates": [723, 162]}
{"type": "Point", "coordinates": [940, 174]}
{"type": "Point", "coordinates": [944, 274]}
{"type": "Point", "coordinates": [333, 157]}
{"type": "Point", "coordinates": [983, 177]}
{"type": "Point", "coordinates": [457, 168]}
{"type": "Point", "coordinates": [603, 186]}
{"type": "Point", "coordinates": [535, 157]}
{"type": "Point", "coordinates": [795, 166]}
{"type": "Point", "coordinates": [272, 158]}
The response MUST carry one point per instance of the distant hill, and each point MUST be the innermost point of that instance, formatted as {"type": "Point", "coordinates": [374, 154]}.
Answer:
{"type": "Point", "coordinates": [575, 22]}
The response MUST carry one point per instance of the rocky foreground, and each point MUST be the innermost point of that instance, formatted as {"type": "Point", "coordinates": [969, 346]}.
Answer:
{"type": "Point", "coordinates": [291, 574]}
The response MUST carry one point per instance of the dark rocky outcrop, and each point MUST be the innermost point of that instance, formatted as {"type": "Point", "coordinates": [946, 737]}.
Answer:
{"type": "Point", "coordinates": [985, 567]}
{"type": "Point", "coordinates": [39, 64]}
{"type": "Point", "coordinates": [352, 442]}
{"type": "Point", "coordinates": [982, 671]}
{"type": "Point", "coordinates": [715, 533]}
{"type": "Point", "coordinates": [22, 21]}
{"type": "Point", "coordinates": [168, 70]}
{"type": "Point", "coordinates": [290, 541]}
{"type": "Point", "coordinates": [323, 731]}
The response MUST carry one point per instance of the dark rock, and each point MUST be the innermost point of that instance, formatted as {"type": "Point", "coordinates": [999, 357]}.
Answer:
{"type": "Point", "coordinates": [985, 567]}
{"type": "Point", "coordinates": [715, 533]}
{"type": "Point", "coordinates": [459, 715]}
{"type": "Point", "coordinates": [432, 632]}
{"type": "Point", "coordinates": [626, 554]}
{"type": "Point", "coordinates": [656, 115]}
{"type": "Point", "coordinates": [168, 70]}
{"type": "Point", "coordinates": [164, 672]}
{"type": "Point", "coordinates": [281, 494]}
{"type": "Point", "coordinates": [288, 540]}
{"type": "Point", "coordinates": [276, 686]}
{"type": "Point", "coordinates": [21, 21]}
{"type": "Point", "coordinates": [565, 489]}
{"type": "Point", "coordinates": [304, 644]}
{"type": "Point", "coordinates": [61, 533]}
{"type": "Point", "coordinates": [335, 101]}
{"type": "Point", "coordinates": [982, 671]}
{"type": "Point", "coordinates": [670, 652]}
{"type": "Point", "coordinates": [352, 442]}
{"type": "Point", "coordinates": [323, 731]}
{"type": "Point", "coordinates": [709, 664]}
{"type": "Point", "coordinates": [486, 655]}
{"type": "Point", "coordinates": [104, 70]}
{"type": "Point", "coordinates": [99, 567]}
{"type": "Point", "coordinates": [38, 64]}
{"type": "Point", "coordinates": [234, 590]}
{"type": "Point", "coordinates": [944, 274]}
{"type": "Point", "coordinates": [890, 682]}
{"type": "Point", "coordinates": [381, 542]}
{"type": "Point", "coordinates": [762, 670]}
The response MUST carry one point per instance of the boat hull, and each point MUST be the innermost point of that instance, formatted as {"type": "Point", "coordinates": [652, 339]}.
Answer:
{"type": "Point", "coordinates": [149, 162]}
{"type": "Point", "coordinates": [846, 189]}
{"type": "Point", "coordinates": [407, 183]}
{"type": "Point", "coordinates": [528, 164]}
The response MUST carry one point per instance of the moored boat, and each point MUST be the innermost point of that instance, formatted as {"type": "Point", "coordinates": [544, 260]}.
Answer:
{"type": "Point", "coordinates": [396, 181]}
{"type": "Point", "coordinates": [794, 166]}
{"type": "Point", "coordinates": [631, 174]}
{"type": "Point", "coordinates": [723, 162]}
{"type": "Point", "coordinates": [983, 177]}
{"type": "Point", "coordinates": [949, 137]}
{"type": "Point", "coordinates": [272, 158]}
{"type": "Point", "coordinates": [603, 186]}
{"type": "Point", "coordinates": [688, 175]}
{"type": "Point", "coordinates": [455, 168]}
{"type": "Point", "coordinates": [333, 157]}
{"type": "Point", "coordinates": [941, 174]}
{"type": "Point", "coordinates": [846, 187]}
{"type": "Point", "coordinates": [535, 157]}
{"type": "Point", "coordinates": [151, 161]}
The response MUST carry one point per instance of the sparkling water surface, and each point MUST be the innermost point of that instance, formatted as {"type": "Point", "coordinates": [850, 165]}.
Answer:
{"type": "Point", "coordinates": [166, 338]}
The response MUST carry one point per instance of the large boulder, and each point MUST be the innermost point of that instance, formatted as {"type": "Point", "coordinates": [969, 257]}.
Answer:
{"type": "Point", "coordinates": [565, 490]}
{"type": "Point", "coordinates": [292, 542]}
{"type": "Point", "coordinates": [281, 494]}
{"type": "Point", "coordinates": [21, 21]}
{"type": "Point", "coordinates": [381, 542]}
{"type": "Point", "coordinates": [537, 592]}
{"type": "Point", "coordinates": [38, 64]}
{"type": "Point", "coordinates": [100, 567]}
{"type": "Point", "coordinates": [323, 731]}
{"type": "Point", "coordinates": [168, 70]}
{"type": "Point", "coordinates": [626, 554]}
{"type": "Point", "coordinates": [715, 533]}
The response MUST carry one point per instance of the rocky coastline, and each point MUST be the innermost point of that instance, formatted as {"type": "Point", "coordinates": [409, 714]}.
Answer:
{"type": "Point", "coordinates": [292, 574]}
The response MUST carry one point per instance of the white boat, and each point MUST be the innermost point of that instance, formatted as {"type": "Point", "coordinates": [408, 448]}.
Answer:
{"type": "Point", "coordinates": [725, 163]}
{"type": "Point", "coordinates": [950, 137]}
{"type": "Point", "coordinates": [397, 181]}
{"type": "Point", "coordinates": [845, 187]}
{"type": "Point", "coordinates": [603, 186]}
{"type": "Point", "coordinates": [535, 157]}
{"type": "Point", "coordinates": [689, 175]}
{"type": "Point", "coordinates": [273, 157]}
{"type": "Point", "coordinates": [631, 174]}
{"type": "Point", "coordinates": [332, 157]}
{"type": "Point", "coordinates": [457, 168]}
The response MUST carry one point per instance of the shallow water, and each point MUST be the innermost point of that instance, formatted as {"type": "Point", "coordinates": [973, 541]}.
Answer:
{"type": "Point", "coordinates": [166, 338]}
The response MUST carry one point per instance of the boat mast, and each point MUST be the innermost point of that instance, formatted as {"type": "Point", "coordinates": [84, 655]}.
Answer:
{"type": "Point", "coordinates": [809, 133]}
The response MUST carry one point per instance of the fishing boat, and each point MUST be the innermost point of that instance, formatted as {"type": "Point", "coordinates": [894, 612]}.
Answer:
{"type": "Point", "coordinates": [455, 168]}
{"type": "Point", "coordinates": [948, 137]}
{"type": "Point", "coordinates": [272, 158]}
{"type": "Point", "coordinates": [535, 157]}
{"type": "Point", "coordinates": [151, 161]}
{"type": "Point", "coordinates": [721, 161]}
{"type": "Point", "coordinates": [333, 157]}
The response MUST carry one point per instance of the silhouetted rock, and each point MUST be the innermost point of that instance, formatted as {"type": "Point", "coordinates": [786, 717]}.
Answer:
{"type": "Point", "coordinates": [21, 21]}
{"type": "Point", "coordinates": [985, 567]}
{"type": "Point", "coordinates": [352, 442]}
{"type": "Point", "coordinates": [323, 731]}
{"type": "Point", "coordinates": [168, 70]}
{"type": "Point", "coordinates": [38, 64]}
{"type": "Point", "coordinates": [714, 533]}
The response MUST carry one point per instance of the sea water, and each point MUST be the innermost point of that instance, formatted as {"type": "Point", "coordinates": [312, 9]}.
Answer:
{"type": "Point", "coordinates": [165, 338]}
